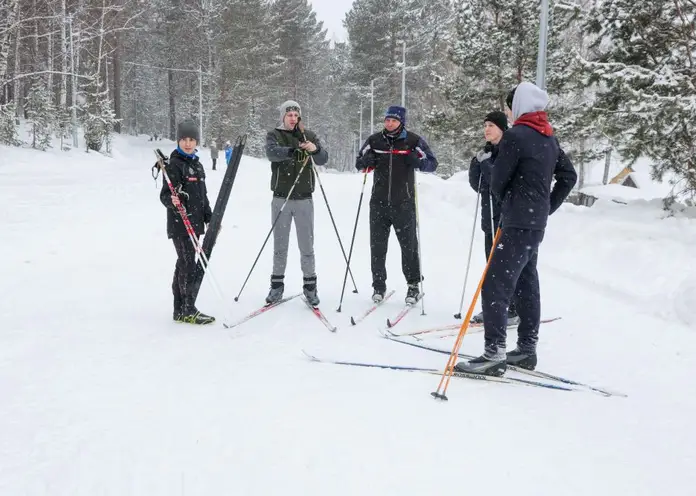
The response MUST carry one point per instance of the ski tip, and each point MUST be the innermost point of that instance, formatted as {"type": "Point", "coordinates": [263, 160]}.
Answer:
{"type": "Point", "coordinates": [311, 357]}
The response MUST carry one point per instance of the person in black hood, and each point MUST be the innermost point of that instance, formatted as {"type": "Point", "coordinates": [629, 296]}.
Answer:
{"type": "Point", "coordinates": [394, 154]}
{"type": "Point", "coordinates": [188, 178]}
{"type": "Point", "coordinates": [494, 125]}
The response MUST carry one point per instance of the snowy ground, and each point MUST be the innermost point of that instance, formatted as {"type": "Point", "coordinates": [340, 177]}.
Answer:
{"type": "Point", "coordinates": [102, 394]}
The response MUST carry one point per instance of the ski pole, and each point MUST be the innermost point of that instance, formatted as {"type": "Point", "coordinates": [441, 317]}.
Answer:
{"type": "Point", "coordinates": [471, 247]}
{"type": "Point", "coordinates": [418, 236]}
{"type": "Point", "coordinates": [236, 298]}
{"type": "Point", "coordinates": [316, 173]}
{"type": "Point", "coordinates": [192, 234]}
{"type": "Point", "coordinates": [449, 369]}
{"type": "Point", "coordinates": [300, 125]}
{"type": "Point", "coordinates": [352, 241]}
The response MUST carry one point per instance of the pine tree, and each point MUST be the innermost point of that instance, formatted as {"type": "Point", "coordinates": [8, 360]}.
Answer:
{"type": "Point", "coordinates": [98, 118]}
{"type": "Point", "coordinates": [644, 76]}
{"type": "Point", "coordinates": [8, 128]}
{"type": "Point", "coordinates": [40, 114]}
{"type": "Point", "coordinates": [493, 45]}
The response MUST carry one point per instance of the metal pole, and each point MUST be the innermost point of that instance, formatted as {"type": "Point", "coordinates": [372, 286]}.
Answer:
{"type": "Point", "coordinates": [372, 106]}
{"type": "Point", "coordinates": [200, 101]}
{"type": "Point", "coordinates": [74, 86]}
{"type": "Point", "coordinates": [360, 140]}
{"type": "Point", "coordinates": [403, 77]}
{"type": "Point", "coordinates": [543, 35]}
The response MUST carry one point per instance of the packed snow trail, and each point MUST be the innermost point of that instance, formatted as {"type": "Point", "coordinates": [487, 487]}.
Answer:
{"type": "Point", "coordinates": [103, 394]}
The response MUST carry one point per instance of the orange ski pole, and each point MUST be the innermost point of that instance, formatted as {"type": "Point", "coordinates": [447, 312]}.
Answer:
{"type": "Point", "coordinates": [449, 368]}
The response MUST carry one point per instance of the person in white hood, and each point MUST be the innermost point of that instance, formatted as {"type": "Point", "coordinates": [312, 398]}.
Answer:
{"type": "Point", "coordinates": [529, 159]}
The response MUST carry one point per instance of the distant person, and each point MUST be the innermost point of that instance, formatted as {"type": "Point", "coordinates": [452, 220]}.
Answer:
{"type": "Point", "coordinates": [529, 158]}
{"type": "Point", "coordinates": [228, 152]}
{"type": "Point", "coordinates": [188, 178]}
{"type": "Point", "coordinates": [288, 151]}
{"type": "Point", "coordinates": [213, 153]}
{"type": "Point", "coordinates": [394, 154]}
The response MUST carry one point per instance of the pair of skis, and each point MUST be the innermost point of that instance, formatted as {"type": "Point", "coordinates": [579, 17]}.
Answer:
{"type": "Point", "coordinates": [265, 308]}
{"type": "Point", "coordinates": [390, 322]}
{"type": "Point", "coordinates": [565, 384]}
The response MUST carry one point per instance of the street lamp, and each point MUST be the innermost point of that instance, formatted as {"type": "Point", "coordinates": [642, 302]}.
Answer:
{"type": "Point", "coordinates": [543, 35]}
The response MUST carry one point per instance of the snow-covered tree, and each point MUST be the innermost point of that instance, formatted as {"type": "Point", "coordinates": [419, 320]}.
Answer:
{"type": "Point", "coordinates": [40, 113]}
{"type": "Point", "coordinates": [644, 76]}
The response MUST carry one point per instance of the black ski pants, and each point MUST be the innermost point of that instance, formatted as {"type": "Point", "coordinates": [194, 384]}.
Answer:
{"type": "Point", "coordinates": [184, 275]}
{"type": "Point", "coordinates": [513, 271]}
{"type": "Point", "coordinates": [402, 216]}
{"type": "Point", "coordinates": [512, 308]}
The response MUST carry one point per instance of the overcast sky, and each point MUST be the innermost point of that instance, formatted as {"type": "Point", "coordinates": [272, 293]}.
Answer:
{"type": "Point", "coordinates": [332, 12]}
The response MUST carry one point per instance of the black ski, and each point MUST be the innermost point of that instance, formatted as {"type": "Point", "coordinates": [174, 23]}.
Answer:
{"type": "Point", "coordinates": [534, 373]}
{"type": "Point", "coordinates": [456, 373]}
{"type": "Point", "coordinates": [223, 197]}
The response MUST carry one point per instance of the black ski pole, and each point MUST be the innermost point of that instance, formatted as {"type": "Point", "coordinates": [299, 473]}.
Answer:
{"type": "Point", "coordinates": [352, 241]}
{"type": "Point", "coordinates": [236, 298]}
{"type": "Point", "coordinates": [300, 125]}
{"type": "Point", "coordinates": [321, 186]}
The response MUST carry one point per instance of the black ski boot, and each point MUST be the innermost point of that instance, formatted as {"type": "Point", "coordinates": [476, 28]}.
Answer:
{"type": "Point", "coordinates": [195, 317]}
{"type": "Point", "coordinates": [485, 364]}
{"type": "Point", "coordinates": [523, 360]}
{"type": "Point", "coordinates": [412, 294]}
{"type": "Point", "coordinates": [310, 290]}
{"type": "Point", "coordinates": [477, 319]}
{"type": "Point", "coordinates": [378, 295]}
{"type": "Point", "coordinates": [277, 289]}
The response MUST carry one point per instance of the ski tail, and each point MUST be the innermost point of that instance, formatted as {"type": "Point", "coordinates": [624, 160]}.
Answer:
{"type": "Point", "coordinates": [261, 310]}
{"type": "Point", "coordinates": [373, 307]}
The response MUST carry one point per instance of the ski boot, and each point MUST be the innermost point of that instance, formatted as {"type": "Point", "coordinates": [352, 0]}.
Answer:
{"type": "Point", "coordinates": [276, 292]}
{"type": "Point", "coordinates": [310, 291]}
{"type": "Point", "coordinates": [195, 317]}
{"type": "Point", "coordinates": [521, 359]}
{"type": "Point", "coordinates": [412, 294]}
{"type": "Point", "coordinates": [378, 295]}
{"type": "Point", "coordinates": [483, 365]}
{"type": "Point", "coordinates": [477, 319]}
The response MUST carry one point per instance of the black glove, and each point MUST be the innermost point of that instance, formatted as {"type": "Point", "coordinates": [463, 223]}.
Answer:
{"type": "Point", "coordinates": [488, 147]}
{"type": "Point", "coordinates": [412, 159]}
{"type": "Point", "coordinates": [367, 161]}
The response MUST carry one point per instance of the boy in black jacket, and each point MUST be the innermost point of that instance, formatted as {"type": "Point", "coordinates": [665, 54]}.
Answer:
{"type": "Point", "coordinates": [528, 160]}
{"type": "Point", "coordinates": [188, 178]}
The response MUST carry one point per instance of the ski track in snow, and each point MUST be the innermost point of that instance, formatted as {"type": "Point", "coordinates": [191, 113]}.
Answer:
{"type": "Point", "coordinates": [103, 394]}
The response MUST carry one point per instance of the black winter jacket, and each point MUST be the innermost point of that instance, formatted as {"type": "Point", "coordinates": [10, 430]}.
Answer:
{"type": "Point", "coordinates": [188, 178]}
{"type": "Point", "coordinates": [522, 175]}
{"type": "Point", "coordinates": [394, 160]}
{"type": "Point", "coordinates": [480, 169]}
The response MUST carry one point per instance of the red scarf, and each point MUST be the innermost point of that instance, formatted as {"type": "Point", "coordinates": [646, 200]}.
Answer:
{"type": "Point", "coordinates": [539, 121]}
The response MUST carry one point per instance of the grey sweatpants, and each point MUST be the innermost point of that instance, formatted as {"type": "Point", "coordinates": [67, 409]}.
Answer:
{"type": "Point", "coordinates": [302, 211]}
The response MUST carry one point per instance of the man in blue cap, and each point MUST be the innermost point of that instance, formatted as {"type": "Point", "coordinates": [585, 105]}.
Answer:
{"type": "Point", "coordinates": [394, 154]}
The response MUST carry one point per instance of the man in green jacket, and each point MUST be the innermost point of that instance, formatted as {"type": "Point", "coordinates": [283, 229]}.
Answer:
{"type": "Point", "coordinates": [293, 152]}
